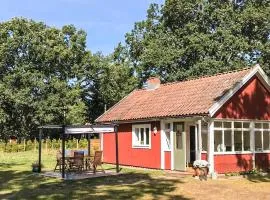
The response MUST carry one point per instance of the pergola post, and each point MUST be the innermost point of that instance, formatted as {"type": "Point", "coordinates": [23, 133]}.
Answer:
{"type": "Point", "coordinates": [63, 151]}
{"type": "Point", "coordinates": [116, 148]}
{"type": "Point", "coordinates": [39, 149]}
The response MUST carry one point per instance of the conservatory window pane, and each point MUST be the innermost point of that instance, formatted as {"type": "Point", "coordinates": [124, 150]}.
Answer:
{"type": "Point", "coordinates": [245, 124]}
{"type": "Point", "coordinates": [246, 141]}
{"type": "Point", "coordinates": [266, 140]}
{"type": "Point", "coordinates": [237, 140]}
{"type": "Point", "coordinates": [218, 124]}
{"type": "Point", "coordinates": [258, 141]}
{"type": "Point", "coordinates": [204, 141]}
{"type": "Point", "coordinates": [265, 125]}
{"type": "Point", "coordinates": [237, 124]}
{"type": "Point", "coordinates": [218, 141]}
{"type": "Point", "coordinates": [228, 140]}
{"type": "Point", "coordinates": [227, 124]}
{"type": "Point", "coordinates": [258, 125]}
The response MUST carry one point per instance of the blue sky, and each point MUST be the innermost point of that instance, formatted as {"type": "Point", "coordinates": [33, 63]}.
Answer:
{"type": "Point", "coordinates": [105, 21]}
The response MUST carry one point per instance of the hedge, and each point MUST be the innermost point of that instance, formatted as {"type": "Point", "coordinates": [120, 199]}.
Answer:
{"type": "Point", "coordinates": [48, 145]}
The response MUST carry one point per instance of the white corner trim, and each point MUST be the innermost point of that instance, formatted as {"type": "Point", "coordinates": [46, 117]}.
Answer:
{"type": "Point", "coordinates": [172, 146]}
{"type": "Point", "coordinates": [162, 154]}
{"type": "Point", "coordinates": [256, 70]}
{"type": "Point", "coordinates": [211, 147]}
{"type": "Point", "coordinates": [101, 142]}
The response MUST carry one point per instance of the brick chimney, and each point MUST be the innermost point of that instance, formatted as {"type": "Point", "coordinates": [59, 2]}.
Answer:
{"type": "Point", "coordinates": [152, 83]}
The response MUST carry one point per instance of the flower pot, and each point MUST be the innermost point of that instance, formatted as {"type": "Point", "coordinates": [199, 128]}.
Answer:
{"type": "Point", "coordinates": [36, 169]}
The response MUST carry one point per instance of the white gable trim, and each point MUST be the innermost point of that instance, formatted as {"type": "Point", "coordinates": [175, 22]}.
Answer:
{"type": "Point", "coordinates": [257, 70]}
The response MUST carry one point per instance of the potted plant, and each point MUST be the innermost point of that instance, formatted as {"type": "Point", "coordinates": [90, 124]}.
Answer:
{"type": "Point", "coordinates": [36, 167]}
{"type": "Point", "coordinates": [200, 169]}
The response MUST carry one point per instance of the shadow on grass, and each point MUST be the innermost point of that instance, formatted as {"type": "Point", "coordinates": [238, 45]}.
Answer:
{"type": "Point", "coordinates": [258, 178]}
{"type": "Point", "coordinates": [24, 185]}
{"type": "Point", "coordinates": [8, 165]}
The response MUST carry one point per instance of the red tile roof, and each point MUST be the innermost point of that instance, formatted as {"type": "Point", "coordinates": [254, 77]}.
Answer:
{"type": "Point", "coordinates": [192, 97]}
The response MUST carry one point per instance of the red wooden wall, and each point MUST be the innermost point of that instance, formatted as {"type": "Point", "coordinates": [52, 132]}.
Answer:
{"type": "Point", "coordinates": [252, 101]}
{"type": "Point", "coordinates": [167, 155]}
{"type": "Point", "coordinates": [233, 162]}
{"type": "Point", "coordinates": [140, 157]}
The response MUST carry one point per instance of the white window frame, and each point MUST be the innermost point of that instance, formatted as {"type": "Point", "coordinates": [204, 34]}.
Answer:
{"type": "Point", "coordinates": [261, 130]}
{"type": "Point", "coordinates": [232, 129]}
{"type": "Point", "coordinates": [139, 126]}
{"type": "Point", "coordinates": [252, 130]}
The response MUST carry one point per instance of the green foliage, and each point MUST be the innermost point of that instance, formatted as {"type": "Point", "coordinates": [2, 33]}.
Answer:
{"type": "Point", "coordinates": [52, 145]}
{"type": "Point", "coordinates": [109, 81]}
{"type": "Point", "coordinates": [37, 65]}
{"type": "Point", "coordinates": [187, 38]}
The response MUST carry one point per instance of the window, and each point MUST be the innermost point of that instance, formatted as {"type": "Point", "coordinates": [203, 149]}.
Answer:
{"type": "Point", "coordinates": [237, 140]}
{"type": "Point", "coordinates": [258, 141]}
{"type": "Point", "coordinates": [204, 132]}
{"type": "Point", "coordinates": [228, 140]}
{"type": "Point", "coordinates": [168, 136]}
{"type": "Point", "coordinates": [141, 135]}
{"type": "Point", "coordinates": [262, 136]}
{"type": "Point", "coordinates": [218, 141]}
{"type": "Point", "coordinates": [178, 128]}
{"type": "Point", "coordinates": [266, 140]}
{"type": "Point", "coordinates": [231, 136]}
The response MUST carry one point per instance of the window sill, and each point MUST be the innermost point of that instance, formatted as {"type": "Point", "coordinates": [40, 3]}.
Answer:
{"type": "Point", "coordinates": [141, 147]}
{"type": "Point", "coordinates": [265, 151]}
{"type": "Point", "coordinates": [233, 152]}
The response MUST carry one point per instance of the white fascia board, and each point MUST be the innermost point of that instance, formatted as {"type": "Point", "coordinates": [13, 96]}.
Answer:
{"type": "Point", "coordinates": [89, 130]}
{"type": "Point", "coordinates": [256, 70]}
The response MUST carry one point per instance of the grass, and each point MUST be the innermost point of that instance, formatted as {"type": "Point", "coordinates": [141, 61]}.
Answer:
{"type": "Point", "coordinates": [18, 182]}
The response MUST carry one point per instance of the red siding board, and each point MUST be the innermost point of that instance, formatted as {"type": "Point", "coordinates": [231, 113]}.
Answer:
{"type": "Point", "coordinates": [262, 161]}
{"type": "Point", "coordinates": [252, 101]}
{"type": "Point", "coordinates": [233, 163]}
{"type": "Point", "coordinates": [167, 160]}
{"type": "Point", "coordinates": [203, 156]}
{"type": "Point", "coordinates": [140, 157]}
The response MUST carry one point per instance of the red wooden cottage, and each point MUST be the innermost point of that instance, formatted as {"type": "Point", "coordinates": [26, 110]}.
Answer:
{"type": "Point", "coordinates": [222, 118]}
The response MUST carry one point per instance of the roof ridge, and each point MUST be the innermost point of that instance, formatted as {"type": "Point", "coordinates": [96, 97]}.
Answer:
{"type": "Point", "coordinates": [207, 76]}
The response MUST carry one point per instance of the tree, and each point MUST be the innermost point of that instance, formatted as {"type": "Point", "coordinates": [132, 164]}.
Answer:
{"type": "Point", "coordinates": [105, 81]}
{"type": "Point", "coordinates": [38, 69]}
{"type": "Point", "coordinates": [189, 38]}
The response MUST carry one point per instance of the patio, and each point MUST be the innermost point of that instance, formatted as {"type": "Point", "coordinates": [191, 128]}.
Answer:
{"type": "Point", "coordinates": [79, 176]}
{"type": "Point", "coordinates": [78, 164]}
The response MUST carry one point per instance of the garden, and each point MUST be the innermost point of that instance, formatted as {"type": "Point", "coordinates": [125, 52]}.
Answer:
{"type": "Point", "coordinates": [18, 182]}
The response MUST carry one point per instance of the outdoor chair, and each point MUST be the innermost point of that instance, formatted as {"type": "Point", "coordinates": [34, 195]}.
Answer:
{"type": "Point", "coordinates": [97, 161]}
{"type": "Point", "coordinates": [77, 161]}
{"type": "Point", "coordinates": [58, 165]}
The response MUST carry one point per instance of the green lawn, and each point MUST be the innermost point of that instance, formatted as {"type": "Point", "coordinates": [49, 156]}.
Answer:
{"type": "Point", "coordinates": [18, 182]}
